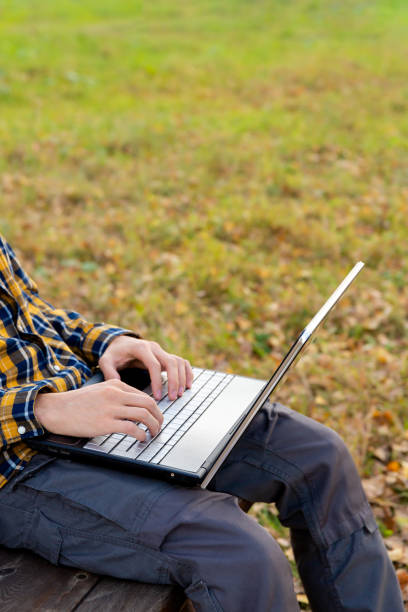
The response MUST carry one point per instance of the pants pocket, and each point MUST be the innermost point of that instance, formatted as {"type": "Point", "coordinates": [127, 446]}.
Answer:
{"type": "Point", "coordinates": [121, 498]}
{"type": "Point", "coordinates": [44, 537]}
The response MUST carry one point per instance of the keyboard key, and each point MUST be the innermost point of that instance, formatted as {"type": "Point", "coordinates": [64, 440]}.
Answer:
{"type": "Point", "coordinates": [94, 447]}
{"type": "Point", "coordinates": [147, 454]}
{"type": "Point", "coordinates": [120, 452]}
{"type": "Point", "coordinates": [109, 444]}
{"type": "Point", "coordinates": [177, 436]}
{"type": "Point", "coordinates": [162, 453]}
{"type": "Point", "coordinates": [98, 440]}
{"type": "Point", "coordinates": [164, 436]}
{"type": "Point", "coordinates": [121, 449]}
{"type": "Point", "coordinates": [133, 452]}
{"type": "Point", "coordinates": [137, 448]}
{"type": "Point", "coordinates": [117, 436]}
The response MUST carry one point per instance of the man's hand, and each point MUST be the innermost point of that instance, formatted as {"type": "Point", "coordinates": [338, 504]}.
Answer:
{"type": "Point", "coordinates": [113, 406]}
{"type": "Point", "coordinates": [125, 351]}
{"type": "Point", "coordinates": [105, 408]}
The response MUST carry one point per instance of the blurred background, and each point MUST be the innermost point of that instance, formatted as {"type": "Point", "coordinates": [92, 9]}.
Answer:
{"type": "Point", "coordinates": [206, 173]}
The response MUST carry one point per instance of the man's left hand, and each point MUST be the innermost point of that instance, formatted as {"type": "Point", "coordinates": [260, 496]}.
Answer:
{"type": "Point", "coordinates": [126, 351]}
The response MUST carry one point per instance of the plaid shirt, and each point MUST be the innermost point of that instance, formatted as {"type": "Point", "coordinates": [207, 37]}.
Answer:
{"type": "Point", "coordinates": [41, 349]}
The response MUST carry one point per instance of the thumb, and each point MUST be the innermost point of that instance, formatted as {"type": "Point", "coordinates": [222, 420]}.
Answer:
{"type": "Point", "coordinates": [109, 371]}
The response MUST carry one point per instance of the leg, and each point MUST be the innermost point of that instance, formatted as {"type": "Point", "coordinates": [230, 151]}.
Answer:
{"type": "Point", "coordinates": [137, 528]}
{"type": "Point", "coordinates": [307, 471]}
{"type": "Point", "coordinates": [214, 546]}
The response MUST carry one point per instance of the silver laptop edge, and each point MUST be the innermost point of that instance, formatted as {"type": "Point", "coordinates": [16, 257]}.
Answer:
{"type": "Point", "coordinates": [283, 367]}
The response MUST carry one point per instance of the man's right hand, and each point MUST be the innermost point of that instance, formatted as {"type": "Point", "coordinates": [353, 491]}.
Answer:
{"type": "Point", "coordinates": [105, 408]}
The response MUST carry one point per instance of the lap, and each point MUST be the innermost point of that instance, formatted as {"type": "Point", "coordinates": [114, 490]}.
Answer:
{"type": "Point", "coordinates": [55, 504]}
{"type": "Point", "coordinates": [127, 500]}
{"type": "Point", "coordinates": [73, 502]}
{"type": "Point", "coordinates": [125, 526]}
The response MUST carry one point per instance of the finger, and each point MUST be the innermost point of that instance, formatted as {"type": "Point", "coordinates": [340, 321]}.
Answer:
{"type": "Point", "coordinates": [108, 370]}
{"type": "Point", "coordinates": [143, 401]}
{"type": "Point", "coordinates": [170, 365]}
{"type": "Point", "coordinates": [181, 375]}
{"type": "Point", "coordinates": [130, 429]}
{"type": "Point", "coordinates": [153, 365]}
{"type": "Point", "coordinates": [142, 415]}
{"type": "Point", "coordinates": [189, 374]}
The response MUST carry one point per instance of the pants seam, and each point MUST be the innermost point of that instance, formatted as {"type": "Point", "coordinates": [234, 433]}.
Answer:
{"type": "Point", "coordinates": [130, 541]}
{"type": "Point", "coordinates": [307, 507]}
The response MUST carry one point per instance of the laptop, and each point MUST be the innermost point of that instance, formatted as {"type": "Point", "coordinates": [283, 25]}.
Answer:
{"type": "Point", "coordinates": [200, 428]}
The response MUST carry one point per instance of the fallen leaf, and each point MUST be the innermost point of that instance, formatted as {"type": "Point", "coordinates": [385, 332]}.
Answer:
{"type": "Point", "coordinates": [242, 323]}
{"type": "Point", "coordinates": [382, 355]}
{"type": "Point", "coordinates": [402, 576]}
{"type": "Point", "coordinates": [383, 416]}
{"type": "Point", "coordinates": [393, 466]}
{"type": "Point", "coordinates": [381, 454]}
{"type": "Point", "coordinates": [374, 487]}
{"type": "Point", "coordinates": [397, 551]}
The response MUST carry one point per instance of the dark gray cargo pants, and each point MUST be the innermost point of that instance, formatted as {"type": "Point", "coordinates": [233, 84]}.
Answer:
{"type": "Point", "coordinates": [123, 525]}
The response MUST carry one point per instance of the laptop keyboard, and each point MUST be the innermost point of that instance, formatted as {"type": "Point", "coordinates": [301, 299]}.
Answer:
{"type": "Point", "coordinates": [179, 415]}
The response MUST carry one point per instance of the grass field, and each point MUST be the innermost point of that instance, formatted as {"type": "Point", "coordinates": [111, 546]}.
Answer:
{"type": "Point", "coordinates": [206, 172]}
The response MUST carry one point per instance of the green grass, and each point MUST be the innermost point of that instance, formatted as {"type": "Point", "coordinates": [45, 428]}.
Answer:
{"type": "Point", "coordinates": [207, 172]}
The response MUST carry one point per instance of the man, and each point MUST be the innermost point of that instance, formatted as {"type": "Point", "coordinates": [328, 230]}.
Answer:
{"type": "Point", "coordinates": [133, 527]}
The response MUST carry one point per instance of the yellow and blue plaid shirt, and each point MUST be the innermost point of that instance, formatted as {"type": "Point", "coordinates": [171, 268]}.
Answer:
{"type": "Point", "coordinates": [41, 349]}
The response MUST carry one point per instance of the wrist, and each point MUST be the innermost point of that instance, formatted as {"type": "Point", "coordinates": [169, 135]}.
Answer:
{"type": "Point", "coordinates": [40, 408]}
{"type": "Point", "coordinates": [46, 409]}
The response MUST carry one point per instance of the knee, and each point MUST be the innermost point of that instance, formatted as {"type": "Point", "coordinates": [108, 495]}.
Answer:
{"type": "Point", "coordinates": [265, 571]}
{"type": "Point", "coordinates": [260, 554]}
{"type": "Point", "coordinates": [240, 563]}
{"type": "Point", "coordinates": [246, 570]}
{"type": "Point", "coordinates": [246, 544]}
{"type": "Point", "coordinates": [334, 452]}
{"type": "Point", "coordinates": [335, 472]}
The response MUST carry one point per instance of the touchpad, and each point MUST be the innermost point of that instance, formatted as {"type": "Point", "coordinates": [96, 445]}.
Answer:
{"type": "Point", "coordinates": [136, 377]}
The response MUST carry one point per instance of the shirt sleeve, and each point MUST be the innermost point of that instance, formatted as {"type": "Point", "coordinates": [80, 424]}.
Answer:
{"type": "Point", "coordinates": [87, 340]}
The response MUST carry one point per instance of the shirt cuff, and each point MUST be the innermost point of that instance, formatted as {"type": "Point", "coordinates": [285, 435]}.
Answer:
{"type": "Point", "coordinates": [98, 339]}
{"type": "Point", "coordinates": [17, 404]}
